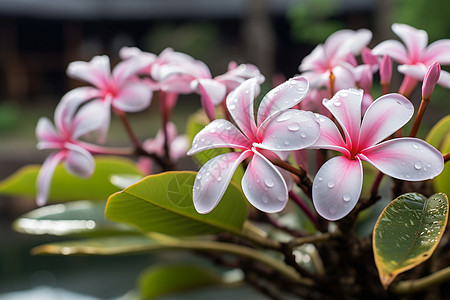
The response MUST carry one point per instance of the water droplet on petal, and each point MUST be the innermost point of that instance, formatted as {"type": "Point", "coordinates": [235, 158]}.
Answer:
{"type": "Point", "coordinates": [265, 199]}
{"type": "Point", "coordinates": [418, 165]}
{"type": "Point", "coordinates": [199, 176]}
{"type": "Point", "coordinates": [231, 107]}
{"type": "Point", "coordinates": [286, 142]}
{"type": "Point", "coordinates": [294, 127]}
{"type": "Point", "coordinates": [331, 184]}
{"type": "Point", "coordinates": [219, 178]}
{"type": "Point", "coordinates": [246, 91]}
{"type": "Point", "coordinates": [415, 146]}
{"type": "Point", "coordinates": [228, 127]}
{"type": "Point", "coordinates": [281, 198]}
{"type": "Point", "coordinates": [303, 135]}
{"type": "Point", "coordinates": [202, 140]}
{"type": "Point", "coordinates": [347, 197]}
{"type": "Point", "coordinates": [337, 102]}
{"type": "Point", "coordinates": [269, 182]}
{"type": "Point", "coordinates": [320, 178]}
{"type": "Point", "coordinates": [343, 94]}
{"type": "Point", "coordinates": [212, 130]}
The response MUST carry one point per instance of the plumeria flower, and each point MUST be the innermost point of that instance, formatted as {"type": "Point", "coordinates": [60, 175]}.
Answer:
{"type": "Point", "coordinates": [277, 128]}
{"type": "Point", "coordinates": [414, 56]}
{"type": "Point", "coordinates": [120, 89]}
{"type": "Point", "coordinates": [337, 185]}
{"type": "Point", "coordinates": [71, 124]}
{"type": "Point", "coordinates": [178, 146]}
{"type": "Point", "coordinates": [213, 91]}
{"type": "Point", "coordinates": [335, 55]}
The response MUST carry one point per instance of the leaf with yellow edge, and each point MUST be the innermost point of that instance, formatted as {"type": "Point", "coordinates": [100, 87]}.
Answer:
{"type": "Point", "coordinates": [407, 233]}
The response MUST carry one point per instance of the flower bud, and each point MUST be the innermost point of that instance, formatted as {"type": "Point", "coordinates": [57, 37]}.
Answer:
{"type": "Point", "coordinates": [386, 69]}
{"type": "Point", "coordinates": [430, 80]}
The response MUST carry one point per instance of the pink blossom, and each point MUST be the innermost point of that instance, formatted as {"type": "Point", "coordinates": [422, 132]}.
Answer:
{"type": "Point", "coordinates": [277, 128]}
{"type": "Point", "coordinates": [120, 88]}
{"type": "Point", "coordinates": [430, 80]}
{"type": "Point", "coordinates": [335, 55]}
{"type": "Point", "coordinates": [414, 56]}
{"type": "Point", "coordinates": [337, 185]}
{"type": "Point", "coordinates": [178, 145]}
{"type": "Point", "coordinates": [70, 125]}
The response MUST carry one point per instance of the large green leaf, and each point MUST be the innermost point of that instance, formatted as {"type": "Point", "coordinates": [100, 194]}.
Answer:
{"type": "Point", "coordinates": [439, 137]}
{"type": "Point", "coordinates": [196, 123]}
{"type": "Point", "coordinates": [163, 203]}
{"type": "Point", "coordinates": [161, 280]}
{"type": "Point", "coordinates": [65, 186]}
{"type": "Point", "coordinates": [407, 232]}
{"type": "Point", "coordinates": [79, 217]}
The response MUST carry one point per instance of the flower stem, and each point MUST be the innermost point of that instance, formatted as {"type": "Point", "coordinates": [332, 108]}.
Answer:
{"type": "Point", "coordinates": [419, 117]}
{"type": "Point", "coordinates": [417, 285]}
{"type": "Point", "coordinates": [311, 239]}
{"type": "Point", "coordinates": [332, 81]}
{"type": "Point", "coordinates": [302, 179]}
{"type": "Point", "coordinates": [123, 117]}
{"type": "Point", "coordinates": [446, 157]}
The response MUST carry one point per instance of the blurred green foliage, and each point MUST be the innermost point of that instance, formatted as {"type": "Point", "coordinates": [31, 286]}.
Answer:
{"type": "Point", "coordinates": [312, 20]}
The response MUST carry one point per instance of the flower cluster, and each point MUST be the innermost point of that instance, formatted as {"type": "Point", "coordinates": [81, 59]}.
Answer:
{"type": "Point", "coordinates": [328, 106]}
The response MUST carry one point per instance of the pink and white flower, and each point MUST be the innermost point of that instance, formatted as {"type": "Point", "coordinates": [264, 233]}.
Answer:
{"type": "Point", "coordinates": [120, 89]}
{"type": "Point", "coordinates": [337, 185]}
{"type": "Point", "coordinates": [277, 128]}
{"type": "Point", "coordinates": [414, 56]}
{"type": "Point", "coordinates": [70, 125]}
{"type": "Point", "coordinates": [335, 55]}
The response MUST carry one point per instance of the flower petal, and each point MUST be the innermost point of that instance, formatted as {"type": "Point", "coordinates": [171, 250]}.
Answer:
{"type": "Point", "coordinates": [97, 71]}
{"type": "Point", "coordinates": [444, 79]}
{"type": "Point", "coordinates": [131, 66]}
{"type": "Point", "coordinates": [133, 97]}
{"type": "Point", "coordinates": [45, 176]}
{"type": "Point", "coordinates": [213, 179]}
{"type": "Point", "coordinates": [417, 71]}
{"type": "Point", "coordinates": [79, 161]}
{"type": "Point", "coordinates": [395, 49]}
{"type": "Point", "coordinates": [219, 134]}
{"type": "Point", "coordinates": [240, 105]}
{"type": "Point", "coordinates": [330, 137]}
{"type": "Point", "coordinates": [284, 96]}
{"type": "Point", "coordinates": [293, 129]}
{"type": "Point", "coordinates": [90, 117]}
{"type": "Point", "coordinates": [46, 132]}
{"type": "Point", "coordinates": [405, 158]}
{"type": "Point", "coordinates": [337, 187]}
{"type": "Point", "coordinates": [213, 90]}
{"type": "Point", "coordinates": [438, 51]}
{"type": "Point", "coordinates": [346, 108]}
{"type": "Point", "coordinates": [415, 40]}
{"type": "Point", "coordinates": [384, 116]}
{"type": "Point", "coordinates": [264, 186]}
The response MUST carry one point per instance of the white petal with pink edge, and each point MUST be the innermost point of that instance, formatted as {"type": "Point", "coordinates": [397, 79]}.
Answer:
{"type": "Point", "coordinates": [383, 117]}
{"type": "Point", "coordinates": [416, 40]}
{"type": "Point", "coordinates": [405, 158]}
{"type": "Point", "coordinates": [133, 97]}
{"type": "Point", "coordinates": [284, 96]}
{"type": "Point", "coordinates": [90, 117]}
{"type": "Point", "coordinates": [79, 161]}
{"type": "Point", "coordinates": [264, 186]}
{"type": "Point", "coordinates": [97, 71]}
{"type": "Point", "coordinates": [395, 49]}
{"type": "Point", "coordinates": [438, 51]}
{"type": "Point", "coordinates": [417, 71]}
{"type": "Point", "coordinates": [219, 134]}
{"type": "Point", "coordinates": [330, 137]}
{"type": "Point", "coordinates": [290, 130]}
{"type": "Point", "coordinates": [45, 176]}
{"type": "Point", "coordinates": [213, 179]}
{"type": "Point", "coordinates": [240, 105]}
{"type": "Point", "coordinates": [46, 132]}
{"type": "Point", "coordinates": [337, 187]}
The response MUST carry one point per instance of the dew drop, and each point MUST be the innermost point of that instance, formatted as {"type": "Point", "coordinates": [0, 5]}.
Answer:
{"type": "Point", "coordinates": [428, 165]}
{"type": "Point", "coordinates": [337, 103]}
{"type": "Point", "coordinates": [418, 165]}
{"type": "Point", "coordinates": [320, 178]}
{"type": "Point", "coordinates": [269, 182]}
{"type": "Point", "coordinates": [228, 127]}
{"type": "Point", "coordinates": [199, 176]}
{"type": "Point", "coordinates": [231, 107]}
{"type": "Point", "coordinates": [265, 199]}
{"type": "Point", "coordinates": [344, 94]}
{"type": "Point", "coordinates": [219, 178]}
{"type": "Point", "coordinates": [286, 142]}
{"type": "Point", "coordinates": [195, 146]}
{"type": "Point", "coordinates": [281, 198]}
{"type": "Point", "coordinates": [246, 91]}
{"type": "Point", "coordinates": [303, 135]}
{"type": "Point", "coordinates": [294, 127]}
{"type": "Point", "coordinates": [212, 130]}
{"type": "Point", "coordinates": [415, 146]}
{"type": "Point", "coordinates": [202, 140]}
{"type": "Point", "coordinates": [347, 197]}
{"type": "Point", "coordinates": [331, 184]}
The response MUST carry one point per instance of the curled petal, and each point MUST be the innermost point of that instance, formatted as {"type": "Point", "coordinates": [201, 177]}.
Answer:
{"type": "Point", "coordinates": [46, 132]}
{"type": "Point", "coordinates": [97, 72]}
{"type": "Point", "coordinates": [395, 49]}
{"type": "Point", "coordinates": [90, 117]}
{"type": "Point", "coordinates": [213, 179]}
{"type": "Point", "coordinates": [45, 176]}
{"type": "Point", "coordinates": [213, 90]}
{"type": "Point", "coordinates": [315, 60]}
{"type": "Point", "coordinates": [79, 161]}
{"type": "Point", "coordinates": [346, 108]}
{"type": "Point", "coordinates": [264, 186]}
{"type": "Point", "coordinates": [219, 134]}
{"type": "Point", "coordinates": [415, 40]}
{"type": "Point", "coordinates": [284, 96]}
{"type": "Point", "coordinates": [133, 97]}
{"type": "Point", "coordinates": [337, 187]}
{"type": "Point", "coordinates": [291, 130]}
{"type": "Point", "coordinates": [330, 137]}
{"type": "Point", "coordinates": [417, 71]}
{"type": "Point", "coordinates": [383, 117]}
{"type": "Point", "coordinates": [240, 105]}
{"type": "Point", "coordinates": [405, 158]}
{"type": "Point", "coordinates": [438, 51]}
{"type": "Point", "coordinates": [131, 66]}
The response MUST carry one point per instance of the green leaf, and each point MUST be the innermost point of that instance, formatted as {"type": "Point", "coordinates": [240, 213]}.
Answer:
{"type": "Point", "coordinates": [163, 203]}
{"type": "Point", "coordinates": [66, 187]}
{"type": "Point", "coordinates": [407, 233]}
{"type": "Point", "coordinates": [80, 217]}
{"type": "Point", "coordinates": [439, 137]}
{"type": "Point", "coordinates": [161, 280]}
{"type": "Point", "coordinates": [196, 123]}
{"type": "Point", "coordinates": [102, 246]}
